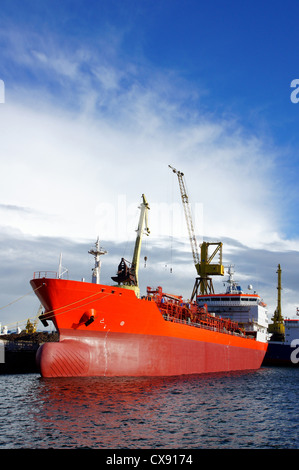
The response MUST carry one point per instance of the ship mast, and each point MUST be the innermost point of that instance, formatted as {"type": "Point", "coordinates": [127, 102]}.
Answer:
{"type": "Point", "coordinates": [277, 328]}
{"type": "Point", "coordinates": [97, 252]}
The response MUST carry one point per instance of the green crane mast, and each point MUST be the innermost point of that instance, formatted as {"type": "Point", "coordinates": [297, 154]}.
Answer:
{"type": "Point", "coordinates": [277, 328]}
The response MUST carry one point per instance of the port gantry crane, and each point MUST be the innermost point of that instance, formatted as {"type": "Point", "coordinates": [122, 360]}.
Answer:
{"type": "Point", "coordinates": [203, 265]}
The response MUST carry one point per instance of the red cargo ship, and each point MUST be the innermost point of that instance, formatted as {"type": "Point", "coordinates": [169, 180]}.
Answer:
{"type": "Point", "coordinates": [111, 331]}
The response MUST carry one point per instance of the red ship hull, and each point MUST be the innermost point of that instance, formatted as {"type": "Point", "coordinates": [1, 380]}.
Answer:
{"type": "Point", "coordinates": [108, 331]}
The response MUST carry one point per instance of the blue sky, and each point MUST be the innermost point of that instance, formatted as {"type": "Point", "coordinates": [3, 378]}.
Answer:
{"type": "Point", "coordinates": [101, 96]}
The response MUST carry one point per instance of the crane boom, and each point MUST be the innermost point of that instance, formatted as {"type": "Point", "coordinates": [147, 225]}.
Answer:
{"type": "Point", "coordinates": [188, 217]}
{"type": "Point", "coordinates": [203, 264]}
{"type": "Point", "coordinates": [143, 222]}
{"type": "Point", "coordinates": [128, 275]}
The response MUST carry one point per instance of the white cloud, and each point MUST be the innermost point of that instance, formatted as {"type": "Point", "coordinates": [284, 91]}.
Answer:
{"type": "Point", "coordinates": [64, 164]}
{"type": "Point", "coordinates": [64, 167]}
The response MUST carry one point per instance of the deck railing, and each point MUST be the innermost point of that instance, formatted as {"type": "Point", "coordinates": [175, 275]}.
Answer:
{"type": "Point", "coordinates": [206, 327]}
{"type": "Point", "coordinates": [46, 274]}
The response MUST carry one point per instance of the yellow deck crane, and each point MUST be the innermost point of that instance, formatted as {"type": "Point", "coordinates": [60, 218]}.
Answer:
{"type": "Point", "coordinates": [128, 275]}
{"type": "Point", "coordinates": [203, 265]}
{"type": "Point", "coordinates": [277, 328]}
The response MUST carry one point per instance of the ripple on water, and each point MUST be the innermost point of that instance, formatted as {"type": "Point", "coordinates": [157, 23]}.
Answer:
{"type": "Point", "coordinates": [255, 409]}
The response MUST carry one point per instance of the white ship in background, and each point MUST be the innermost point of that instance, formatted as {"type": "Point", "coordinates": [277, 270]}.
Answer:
{"type": "Point", "coordinates": [246, 308]}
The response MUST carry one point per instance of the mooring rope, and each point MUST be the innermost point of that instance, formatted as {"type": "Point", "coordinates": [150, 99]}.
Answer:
{"type": "Point", "coordinates": [20, 298]}
{"type": "Point", "coordinates": [49, 317]}
{"type": "Point", "coordinates": [76, 301]}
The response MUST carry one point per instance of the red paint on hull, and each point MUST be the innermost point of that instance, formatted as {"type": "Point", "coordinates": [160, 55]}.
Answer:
{"type": "Point", "coordinates": [116, 354]}
{"type": "Point", "coordinates": [129, 336]}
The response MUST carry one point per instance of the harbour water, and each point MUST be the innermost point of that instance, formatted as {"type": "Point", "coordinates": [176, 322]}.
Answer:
{"type": "Point", "coordinates": [240, 410]}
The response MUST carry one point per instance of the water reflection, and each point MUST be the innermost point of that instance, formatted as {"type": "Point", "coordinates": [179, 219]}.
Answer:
{"type": "Point", "coordinates": [103, 412]}
{"type": "Point", "coordinates": [241, 409]}
{"type": "Point", "coordinates": [155, 412]}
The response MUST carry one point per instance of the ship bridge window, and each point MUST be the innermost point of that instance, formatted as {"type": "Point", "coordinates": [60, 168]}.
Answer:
{"type": "Point", "coordinates": [225, 299]}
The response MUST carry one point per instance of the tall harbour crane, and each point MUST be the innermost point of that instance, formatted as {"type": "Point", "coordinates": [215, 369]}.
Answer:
{"type": "Point", "coordinates": [188, 216]}
{"type": "Point", "coordinates": [203, 265]}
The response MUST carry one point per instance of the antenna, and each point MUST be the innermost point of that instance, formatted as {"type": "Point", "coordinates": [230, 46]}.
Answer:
{"type": "Point", "coordinates": [97, 252]}
{"type": "Point", "coordinates": [61, 269]}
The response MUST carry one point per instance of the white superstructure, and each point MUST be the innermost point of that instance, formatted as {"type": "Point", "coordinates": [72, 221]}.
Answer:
{"type": "Point", "coordinates": [291, 330]}
{"type": "Point", "coordinates": [247, 309]}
